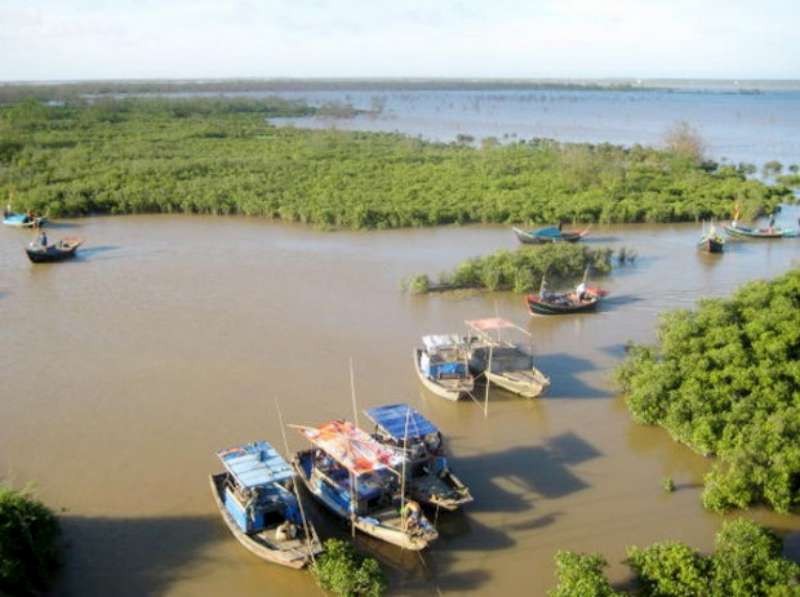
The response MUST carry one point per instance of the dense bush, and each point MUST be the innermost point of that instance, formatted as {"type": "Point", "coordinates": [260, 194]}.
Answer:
{"type": "Point", "coordinates": [747, 563]}
{"type": "Point", "coordinates": [521, 270]}
{"type": "Point", "coordinates": [725, 379]}
{"type": "Point", "coordinates": [29, 552]}
{"type": "Point", "coordinates": [581, 574]}
{"type": "Point", "coordinates": [221, 157]}
{"type": "Point", "coordinates": [342, 571]}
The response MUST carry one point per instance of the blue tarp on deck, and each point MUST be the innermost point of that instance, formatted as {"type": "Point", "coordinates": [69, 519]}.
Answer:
{"type": "Point", "coordinates": [392, 418]}
{"type": "Point", "coordinates": [255, 465]}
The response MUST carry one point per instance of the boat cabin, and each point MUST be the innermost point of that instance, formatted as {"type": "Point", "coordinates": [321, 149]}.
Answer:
{"type": "Point", "coordinates": [258, 493]}
{"type": "Point", "coordinates": [443, 357]}
{"type": "Point", "coordinates": [399, 424]}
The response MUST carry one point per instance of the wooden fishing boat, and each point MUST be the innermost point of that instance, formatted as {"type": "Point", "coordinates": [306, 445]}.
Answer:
{"type": "Point", "coordinates": [59, 251]}
{"type": "Point", "coordinates": [23, 220]}
{"type": "Point", "coordinates": [442, 366]}
{"type": "Point", "coordinates": [711, 244]}
{"type": "Point", "coordinates": [356, 479]}
{"type": "Point", "coordinates": [503, 362]}
{"type": "Point", "coordinates": [738, 230]}
{"type": "Point", "coordinates": [559, 303]}
{"type": "Point", "coordinates": [549, 234]}
{"type": "Point", "coordinates": [429, 479]}
{"type": "Point", "coordinates": [254, 496]}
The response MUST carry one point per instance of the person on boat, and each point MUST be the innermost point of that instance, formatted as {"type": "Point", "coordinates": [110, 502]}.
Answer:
{"type": "Point", "coordinates": [412, 513]}
{"type": "Point", "coordinates": [285, 531]}
{"type": "Point", "coordinates": [40, 242]}
{"type": "Point", "coordinates": [771, 223]}
{"type": "Point", "coordinates": [580, 292]}
{"type": "Point", "coordinates": [7, 211]}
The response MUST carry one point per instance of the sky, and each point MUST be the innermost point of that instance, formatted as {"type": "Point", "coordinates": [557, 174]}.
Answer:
{"type": "Point", "coordinates": [96, 39]}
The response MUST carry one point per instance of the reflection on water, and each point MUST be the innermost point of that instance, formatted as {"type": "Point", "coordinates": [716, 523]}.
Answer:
{"type": "Point", "coordinates": [128, 368]}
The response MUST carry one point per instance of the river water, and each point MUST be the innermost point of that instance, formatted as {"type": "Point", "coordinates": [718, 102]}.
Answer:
{"type": "Point", "coordinates": [170, 337]}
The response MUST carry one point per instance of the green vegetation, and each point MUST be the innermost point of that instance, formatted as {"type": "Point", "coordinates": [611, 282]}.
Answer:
{"type": "Point", "coordinates": [520, 270]}
{"type": "Point", "coordinates": [725, 379]}
{"type": "Point", "coordinates": [581, 574]}
{"type": "Point", "coordinates": [747, 563]}
{"type": "Point", "coordinates": [29, 550]}
{"type": "Point", "coordinates": [342, 571]}
{"type": "Point", "coordinates": [668, 484]}
{"type": "Point", "coordinates": [222, 157]}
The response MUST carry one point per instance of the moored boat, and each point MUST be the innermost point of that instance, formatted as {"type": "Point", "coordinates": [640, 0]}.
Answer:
{"type": "Point", "coordinates": [559, 303]}
{"type": "Point", "coordinates": [429, 479]}
{"type": "Point", "coordinates": [23, 220]}
{"type": "Point", "coordinates": [549, 234]}
{"type": "Point", "coordinates": [738, 230]}
{"type": "Point", "coordinates": [65, 248]}
{"type": "Point", "coordinates": [442, 366]}
{"type": "Point", "coordinates": [502, 362]}
{"type": "Point", "coordinates": [255, 499]}
{"type": "Point", "coordinates": [357, 479]}
{"type": "Point", "coordinates": [711, 241]}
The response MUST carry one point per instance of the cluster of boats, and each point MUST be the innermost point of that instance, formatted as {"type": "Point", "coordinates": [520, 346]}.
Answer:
{"type": "Point", "coordinates": [377, 483]}
{"type": "Point", "coordinates": [40, 250]}
{"type": "Point", "coordinates": [713, 241]}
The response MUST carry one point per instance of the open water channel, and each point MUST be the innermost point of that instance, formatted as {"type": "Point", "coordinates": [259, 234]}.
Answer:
{"type": "Point", "coordinates": [169, 337]}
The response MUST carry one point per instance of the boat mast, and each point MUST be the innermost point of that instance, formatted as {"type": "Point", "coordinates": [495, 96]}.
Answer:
{"type": "Point", "coordinates": [403, 473]}
{"type": "Point", "coordinates": [353, 478]}
{"type": "Point", "coordinates": [294, 485]}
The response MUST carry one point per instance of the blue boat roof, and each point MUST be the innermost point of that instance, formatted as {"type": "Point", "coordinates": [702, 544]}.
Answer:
{"type": "Point", "coordinates": [255, 465]}
{"type": "Point", "coordinates": [548, 232]}
{"type": "Point", "coordinates": [392, 418]}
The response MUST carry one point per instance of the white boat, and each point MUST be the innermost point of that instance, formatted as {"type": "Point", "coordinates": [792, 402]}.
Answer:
{"type": "Point", "coordinates": [503, 362]}
{"type": "Point", "coordinates": [442, 366]}
{"type": "Point", "coordinates": [354, 477]}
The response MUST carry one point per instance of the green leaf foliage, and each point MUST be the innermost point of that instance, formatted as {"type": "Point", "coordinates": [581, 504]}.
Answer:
{"type": "Point", "coordinates": [522, 270]}
{"type": "Point", "coordinates": [342, 571]}
{"type": "Point", "coordinates": [670, 569]}
{"type": "Point", "coordinates": [725, 380]}
{"type": "Point", "coordinates": [29, 549]}
{"type": "Point", "coordinates": [223, 157]}
{"type": "Point", "coordinates": [581, 574]}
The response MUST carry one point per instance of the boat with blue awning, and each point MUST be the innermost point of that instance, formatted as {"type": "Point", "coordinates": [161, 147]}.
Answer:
{"type": "Point", "coordinates": [442, 366]}
{"type": "Point", "coordinates": [359, 480]}
{"type": "Point", "coordinates": [549, 234]}
{"type": "Point", "coordinates": [429, 479]}
{"type": "Point", "coordinates": [256, 499]}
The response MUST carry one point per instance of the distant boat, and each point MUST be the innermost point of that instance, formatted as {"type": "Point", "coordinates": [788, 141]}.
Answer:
{"type": "Point", "coordinates": [442, 366]}
{"type": "Point", "coordinates": [558, 303]}
{"type": "Point", "coordinates": [59, 251]}
{"type": "Point", "coordinates": [711, 241]}
{"type": "Point", "coordinates": [738, 230]}
{"type": "Point", "coordinates": [23, 220]}
{"type": "Point", "coordinates": [504, 363]}
{"type": "Point", "coordinates": [357, 479]}
{"type": "Point", "coordinates": [550, 234]}
{"type": "Point", "coordinates": [429, 479]}
{"type": "Point", "coordinates": [255, 499]}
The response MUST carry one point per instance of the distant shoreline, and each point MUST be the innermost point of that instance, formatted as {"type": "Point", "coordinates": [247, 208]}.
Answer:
{"type": "Point", "coordinates": [100, 87]}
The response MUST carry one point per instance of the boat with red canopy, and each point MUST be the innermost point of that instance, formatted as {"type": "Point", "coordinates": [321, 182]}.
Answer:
{"type": "Point", "coordinates": [360, 481]}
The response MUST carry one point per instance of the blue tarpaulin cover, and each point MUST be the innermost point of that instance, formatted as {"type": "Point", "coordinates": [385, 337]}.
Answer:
{"type": "Point", "coordinates": [549, 232]}
{"type": "Point", "coordinates": [392, 418]}
{"type": "Point", "coordinates": [255, 465]}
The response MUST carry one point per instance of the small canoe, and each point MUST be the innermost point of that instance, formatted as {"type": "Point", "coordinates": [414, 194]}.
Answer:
{"type": "Point", "coordinates": [550, 234]}
{"type": "Point", "coordinates": [292, 553]}
{"type": "Point", "coordinates": [711, 244]}
{"type": "Point", "coordinates": [741, 231]}
{"type": "Point", "coordinates": [559, 303]}
{"type": "Point", "coordinates": [23, 220]}
{"type": "Point", "coordinates": [448, 388]}
{"type": "Point", "coordinates": [512, 369]}
{"type": "Point", "coordinates": [63, 249]}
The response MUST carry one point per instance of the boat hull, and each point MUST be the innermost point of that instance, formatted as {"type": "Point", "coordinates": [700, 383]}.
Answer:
{"type": "Point", "coordinates": [710, 245]}
{"type": "Point", "coordinates": [393, 535]}
{"type": "Point", "coordinates": [532, 239]}
{"type": "Point", "coordinates": [296, 555]}
{"type": "Point", "coordinates": [420, 490]}
{"type": "Point", "coordinates": [18, 222]}
{"type": "Point", "coordinates": [437, 388]}
{"type": "Point", "coordinates": [745, 232]}
{"type": "Point", "coordinates": [52, 254]}
{"type": "Point", "coordinates": [536, 306]}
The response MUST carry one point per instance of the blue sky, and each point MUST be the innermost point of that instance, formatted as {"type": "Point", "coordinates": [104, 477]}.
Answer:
{"type": "Point", "coordinates": [69, 39]}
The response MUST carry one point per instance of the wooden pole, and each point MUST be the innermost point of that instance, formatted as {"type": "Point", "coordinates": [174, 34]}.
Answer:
{"type": "Point", "coordinates": [353, 478]}
{"type": "Point", "coordinates": [403, 474]}
{"type": "Point", "coordinates": [488, 382]}
{"type": "Point", "coordinates": [294, 486]}
{"type": "Point", "coordinates": [353, 392]}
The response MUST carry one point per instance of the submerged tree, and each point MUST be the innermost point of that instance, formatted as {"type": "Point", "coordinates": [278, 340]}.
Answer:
{"type": "Point", "coordinates": [682, 139]}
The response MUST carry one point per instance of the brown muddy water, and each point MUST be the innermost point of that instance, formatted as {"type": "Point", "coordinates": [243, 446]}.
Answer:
{"type": "Point", "coordinates": [126, 369]}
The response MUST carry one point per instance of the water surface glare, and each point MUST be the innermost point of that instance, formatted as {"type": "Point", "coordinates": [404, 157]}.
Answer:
{"type": "Point", "coordinates": [169, 337]}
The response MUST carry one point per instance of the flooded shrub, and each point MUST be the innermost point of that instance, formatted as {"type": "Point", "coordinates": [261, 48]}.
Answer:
{"type": "Point", "coordinates": [723, 379]}
{"type": "Point", "coordinates": [29, 548]}
{"type": "Point", "coordinates": [417, 284]}
{"type": "Point", "coordinates": [670, 568]}
{"type": "Point", "coordinates": [581, 574]}
{"type": "Point", "coordinates": [343, 571]}
{"type": "Point", "coordinates": [668, 484]}
{"type": "Point", "coordinates": [522, 270]}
